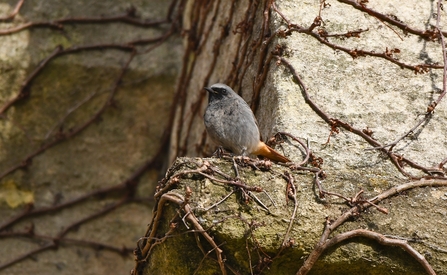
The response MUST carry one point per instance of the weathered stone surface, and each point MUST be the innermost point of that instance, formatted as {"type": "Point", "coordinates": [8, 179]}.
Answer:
{"type": "Point", "coordinates": [365, 92]}
{"type": "Point", "coordinates": [248, 233]}
{"type": "Point", "coordinates": [65, 95]}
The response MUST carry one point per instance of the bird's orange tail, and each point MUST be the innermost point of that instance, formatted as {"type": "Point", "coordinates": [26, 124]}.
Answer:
{"type": "Point", "coordinates": [268, 152]}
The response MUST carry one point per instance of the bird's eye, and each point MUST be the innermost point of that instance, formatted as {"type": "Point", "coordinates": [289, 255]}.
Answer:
{"type": "Point", "coordinates": [221, 91]}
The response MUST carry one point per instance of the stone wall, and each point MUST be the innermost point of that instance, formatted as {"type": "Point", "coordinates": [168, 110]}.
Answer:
{"type": "Point", "coordinates": [85, 121]}
{"type": "Point", "coordinates": [357, 83]}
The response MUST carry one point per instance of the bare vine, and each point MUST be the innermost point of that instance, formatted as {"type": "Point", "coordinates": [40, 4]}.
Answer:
{"type": "Point", "coordinates": [57, 135]}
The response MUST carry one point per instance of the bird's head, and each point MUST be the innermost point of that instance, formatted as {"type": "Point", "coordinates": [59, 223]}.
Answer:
{"type": "Point", "coordinates": [219, 91]}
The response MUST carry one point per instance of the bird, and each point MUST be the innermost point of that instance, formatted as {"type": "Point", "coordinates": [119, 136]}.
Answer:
{"type": "Point", "coordinates": [230, 123]}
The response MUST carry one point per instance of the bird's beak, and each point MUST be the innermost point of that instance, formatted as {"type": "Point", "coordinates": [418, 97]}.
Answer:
{"type": "Point", "coordinates": [208, 89]}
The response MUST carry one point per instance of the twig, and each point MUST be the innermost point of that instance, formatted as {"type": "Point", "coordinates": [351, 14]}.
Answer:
{"type": "Point", "coordinates": [427, 116]}
{"type": "Point", "coordinates": [179, 200]}
{"type": "Point", "coordinates": [236, 183]}
{"type": "Point", "coordinates": [380, 239]}
{"type": "Point", "coordinates": [204, 257]}
{"type": "Point", "coordinates": [24, 91]}
{"type": "Point", "coordinates": [68, 113]}
{"type": "Point", "coordinates": [355, 210]}
{"type": "Point", "coordinates": [51, 245]}
{"type": "Point", "coordinates": [13, 13]}
{"type": "Point", "coordinates": [396, 159]}
{"type": "Point", "coordinates": [59, 23]}
{"type": "Point", "coordinates": [267, 194]}
{"type": "Point", "coordinates": [444, 58]}
{"type": "Point", "coordinates": [236, 170]}
{"type": "Point", "coordinates": [219, 202]}
{"type": "Point", "coordinates": [257, 200]}
{"type": "Point", "coordinates": [427, 34]}
{"type": "Point", "coordinates": [64, 136]}
{"type": "Point", "coordinates": [291, 192]}
{"type": "Point", "coordinates": [306, 149]}
{"type": "Point", "coordinates": [442, 163]}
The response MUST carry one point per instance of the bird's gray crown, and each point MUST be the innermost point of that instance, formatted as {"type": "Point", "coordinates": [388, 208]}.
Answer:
{"type": "Point", "coordinates": [218, 86]}
{"type": "Point", "coordinates": [218, 91]}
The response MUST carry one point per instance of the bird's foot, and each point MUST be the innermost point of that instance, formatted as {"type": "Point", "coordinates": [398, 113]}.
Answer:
{"type": "Point", "coordinates": [220, 152]}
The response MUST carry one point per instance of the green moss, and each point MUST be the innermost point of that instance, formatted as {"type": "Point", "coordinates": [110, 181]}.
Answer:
{"type": "Point", "coordinates": [251, 237]}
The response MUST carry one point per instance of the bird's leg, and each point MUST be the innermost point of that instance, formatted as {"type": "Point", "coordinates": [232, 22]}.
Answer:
{"type": "Point", "coordinates": [219, 152]}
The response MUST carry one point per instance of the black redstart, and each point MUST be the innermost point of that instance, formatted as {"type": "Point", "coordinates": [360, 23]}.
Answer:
{"type": "Point", "coordinates": [230, 122]}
